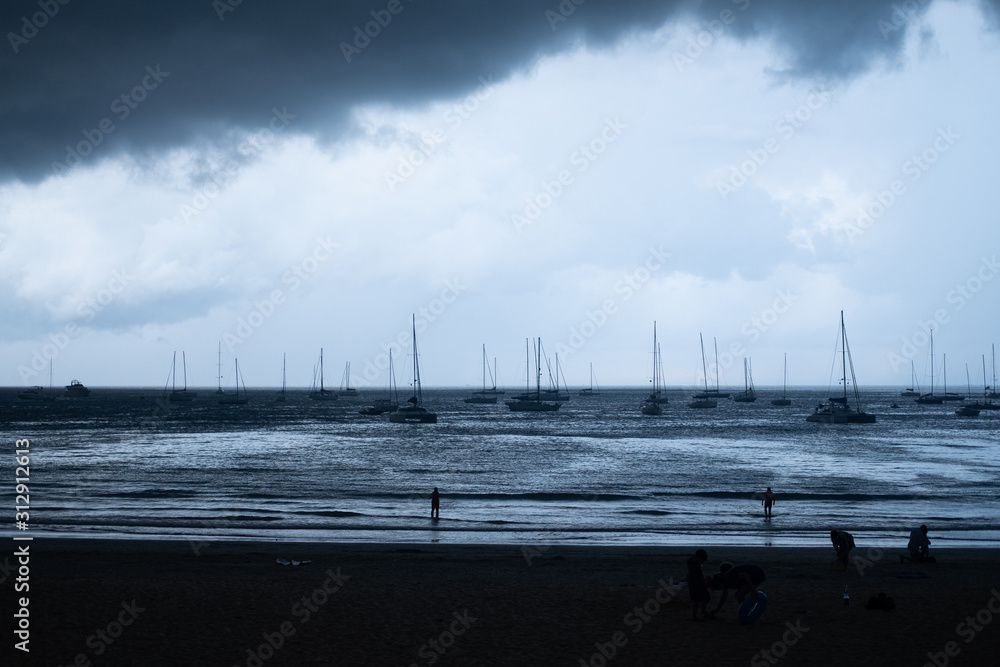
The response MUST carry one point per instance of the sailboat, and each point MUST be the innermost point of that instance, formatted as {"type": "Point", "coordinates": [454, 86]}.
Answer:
{"type": "Point", "coordinates": [837, 410]}
{"type": "Point", "coordinates": [748, 395]}
{"type": "Point", "coordinates": [220, 390]}
{"type": "Point", "coordinates": [389, 404]}
{"type": "Point", "coordinates": [237, 398]}
{"type": "Point", "coordinates": [321, 394]}
{"type": "Point", "coordinates": [784, 400]}
{"type": "Point", "coordinates": [532, 401]}
{"type": "Point", "coordinates": [590, 391]}
{"type": "Point", "coordinates": [180, 395]}
{"type": "Point", "coordinates": [971, 410]}
{"type": "Point", "coordinates": [484, 397]}
{"type": "Point", "coordinates": [414, 412]}
{"type": "Point", "coordinates": [554, 393]}
{"type": "Point", "coordinates": [948, 395]}
{"type": "Point", "coordinates": [651, 405]}
{"type": "Point", "coordinates": [929, 398]}
{"type": "Point", "coordinates": [914, 388]}
{"type": "Point", "coordinates": [712, 393]}
{"type": "Point", "coordinates": [701, 399]}
{"type": "Point", "coordinates": [345, 385]}
{"type": "Point", "coordinates": [282, 393]}
{"type": "Point", "coordinates": [992, 389]}
{"type": "Point", "coordinates": [987, 404]}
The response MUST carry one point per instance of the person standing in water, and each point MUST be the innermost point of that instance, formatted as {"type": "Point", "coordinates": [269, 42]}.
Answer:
{"type": "Point", "coordinates": [435, 504]}
{"type": "Point", "coordinates": [767, 502]}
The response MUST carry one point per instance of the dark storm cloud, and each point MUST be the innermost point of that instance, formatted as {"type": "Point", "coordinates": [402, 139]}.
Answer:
{"type": "Point", "coordinates": [143, 76]}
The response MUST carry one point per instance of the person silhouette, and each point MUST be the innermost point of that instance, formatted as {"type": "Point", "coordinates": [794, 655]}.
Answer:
{"type": "Point", "coordinates": [435, 504]}
{"type": "Point", "coordinates": [767, 502]}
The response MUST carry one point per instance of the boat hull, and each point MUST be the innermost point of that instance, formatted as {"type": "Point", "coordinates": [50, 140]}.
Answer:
{"type": "Point", "coordinates": [651, 409]}
{"type": "Point", "coordinates": [703, 403]}
{"type": "Point", "coordinates": [323, 395]}
{"type": "Point", "coordinates": [841, 418]}
{"type": "Point", "coordinates": [413, 416]}
{"type": "Point", "coordinates": [532, 406]}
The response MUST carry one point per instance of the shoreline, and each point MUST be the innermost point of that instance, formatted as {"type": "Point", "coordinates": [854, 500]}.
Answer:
{"type": "Point", "coordinates": [217, 603]}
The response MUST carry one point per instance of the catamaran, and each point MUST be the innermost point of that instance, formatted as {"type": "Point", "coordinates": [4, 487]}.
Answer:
{"type": "Point", "coordinates": [837, 410]}
{"type": "Point", "coordinates": [414, 412]}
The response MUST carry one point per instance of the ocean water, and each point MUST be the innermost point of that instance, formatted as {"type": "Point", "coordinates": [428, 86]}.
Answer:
{"type": "Point", "coordinates": [122, 464]}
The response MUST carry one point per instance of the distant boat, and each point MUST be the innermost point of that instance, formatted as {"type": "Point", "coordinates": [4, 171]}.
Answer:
{"type": "Point", "coordinates": [711, 393]}
{"type": "Point", "coordinates": [345, 385]}
{"type": "Point", "coordinates": [651, 405]}
{"type": "Point", "coordinates": [748, 395]}
{"type": "Point", "coordinates": [992, 389]}
{"type": "Point", "coordinates": [35, 394]}
{"type": "Point", "coordinates": [929, 398]}
{"type": "Point", "coordinates": [75, 389]}
{"type": "Point", "coordinates": [282, 394]}
{"type": "Point", "coordinates": [484, 397]}
{"type": "Point", "coordinates": [948, 395]}
{"type": "Point", "coordinates": [321, 394]}
{"type": "Point", "coordinates": [220, 390]}
{"type": "Point", "coordinates": [554, 393]}
{"type": "Point", "coordinates": [414, 412]}
{"type": "Point", "coordinates": [987, 404]}
{"type": "Point", "coordinates": [180, 395]}
{"type": "Point", "coordinates": [914, 388]}
{"type": "Point", "coordinates": [701, 400]}
{"type": "Point", "coordinates": [532, 402]}
{"type": "Point", "coordinates": [968, 410]}
{"type": "Point", "coordinates": [784, 400]}
{"type": "Point", "coordinates": [837, 410]}
{"type": "Point", "coordinates": [237, 398]}
{"type": "Point", "coordinates": [590, 391]}
{"type": "Point", "coordinates": [390, 404]}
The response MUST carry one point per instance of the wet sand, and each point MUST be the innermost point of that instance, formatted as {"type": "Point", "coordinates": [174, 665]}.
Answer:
{"type": "Point", "coordinates": [129, 602]}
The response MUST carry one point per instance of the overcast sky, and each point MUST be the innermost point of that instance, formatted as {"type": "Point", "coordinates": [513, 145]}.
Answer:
{"type": "Point", "coordinates": [271, 177]}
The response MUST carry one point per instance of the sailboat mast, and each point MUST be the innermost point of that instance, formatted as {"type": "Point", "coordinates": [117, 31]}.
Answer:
{"type": "Point", "coordinates": [986, 389]}
{"type": "Point", "coordinates": [944, 370]}
{"type": "Point", "coordinates": [185, 360]}
{"type": "Point", "coordinates": [843, 336]}
{"type": "Point", "coordinates": [716, 343]}
{"type": "Point", "coordinates": [704, 367]}
{"type": "Point", "coordinates": [538, 370]}
{"type": "Point", "coordinates": [655, 371]}
{"type": "Point", "coordinates": [484, 368]}
{"type": "Point", "coordinates": [173, 374]}
{"type": "Point", "coordinates": [417, 392]}
{"type": "Point", "coordinates": [784, 381]}
{"type": "Point", "coordinates": [932, 362]}
{"type": "Point", "coordinates": [220, 367]}
{"type": "Point", "coordinates": [321, 370]}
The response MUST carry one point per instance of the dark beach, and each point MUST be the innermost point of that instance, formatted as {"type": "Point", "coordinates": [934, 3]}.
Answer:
{"type": "Point", "coordinates": [231, 603]}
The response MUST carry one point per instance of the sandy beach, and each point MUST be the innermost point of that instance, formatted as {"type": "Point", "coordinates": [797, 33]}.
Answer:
{"type": "Point", "coordinates": [118, 602]}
